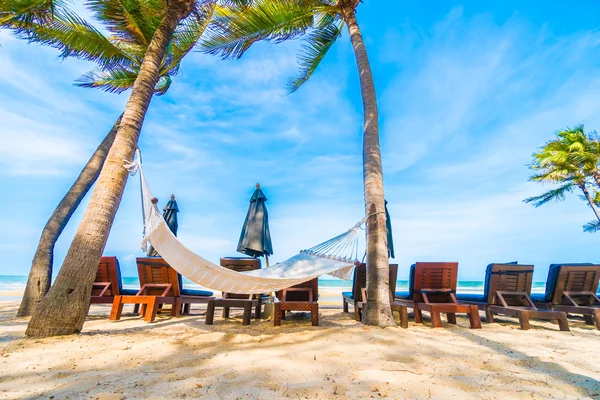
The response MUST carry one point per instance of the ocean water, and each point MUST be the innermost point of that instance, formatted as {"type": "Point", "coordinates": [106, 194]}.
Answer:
{"type": "Point", "coordinates": [13, 282]}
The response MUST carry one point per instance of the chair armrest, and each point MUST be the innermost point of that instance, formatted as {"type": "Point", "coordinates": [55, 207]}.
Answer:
{"type": "Point", "coordinates": [309, 290]}
{"type": "Point", "coordinates": [166, 286]}
{"type": "Point", "coordinates": [501, 295]}
{"type": "Point", "coordinates": [106, 286]}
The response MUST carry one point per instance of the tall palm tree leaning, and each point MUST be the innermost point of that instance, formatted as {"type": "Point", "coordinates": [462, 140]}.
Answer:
{"type": "Point", "coordinates": [118, 58]}
{"type": "Point", "coordinates": [570, 160]}
{"type": "Point", "coordinates": [321, 22]}
{"type": "Point", "coordinates": [64, 308]}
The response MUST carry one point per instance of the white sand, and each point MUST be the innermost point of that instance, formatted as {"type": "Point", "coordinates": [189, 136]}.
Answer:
{"type": "Point", "coordinates": [182, 357]}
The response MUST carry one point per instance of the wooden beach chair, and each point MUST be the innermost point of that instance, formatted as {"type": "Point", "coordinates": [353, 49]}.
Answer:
{"type": "Point", "coordinates": [235, 300]}
{"type": "Point", "coordinates": [359, 282]}
{"type": "Point", "coordinates": [395, 306]}
{"type": "Point", "coordinates": [507, 291]}
{"type": "Point", "coordinates": [572, 288]}
{"type": "Point", "coordinates": [301, 297]}
{"type": "Point", "coordinates": [160, 284]}
{"type": "Point", "coordinates": [108, 282]}
{"type": "Point", "coordinates": [432, 288]}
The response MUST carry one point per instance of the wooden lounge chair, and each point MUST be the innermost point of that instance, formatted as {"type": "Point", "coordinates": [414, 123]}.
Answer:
{"type": "Point", "coordinates": [431, 288]}
{"type": "Point", "coordinates": [359, 282]}
{"type": "Point", "coordinates": [108, 282]}
{"type": "Point", "coordinates": [234, 300]}
{"type": "Point", "coordinates": [507, 291]}
{"type": "Point", "coordinates": [301, 297]}
{"type": "Point", "coordinates": [160, 284]}
{"type": "Point", "coordinates": [572, 288]}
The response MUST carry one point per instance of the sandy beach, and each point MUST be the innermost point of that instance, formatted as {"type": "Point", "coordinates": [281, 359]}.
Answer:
{"type": "Point", "coordinates": [182, 357]}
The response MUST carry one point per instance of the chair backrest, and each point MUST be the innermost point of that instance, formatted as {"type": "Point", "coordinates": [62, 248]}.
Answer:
{"type": "Point", "coordinates": [313, 285]}
{"type": "Point", "coordinates": [359, 281]}
{"type": "Point", "coordinates": [507, 278]}
{"type": "Point", "coordinates": [155, 270]}
{"type": "Point", "coordinates": [108, 271]}
{"type": "Point", "coordinates": [240, 264]}
{"type": "Point", "coordinates": [434, 275]}
{"type": "Point", "coordinates": [571, 278]}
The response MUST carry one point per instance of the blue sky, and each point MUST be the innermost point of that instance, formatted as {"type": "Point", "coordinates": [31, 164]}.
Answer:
{"type": "Point", "coordinates": [467, 91]}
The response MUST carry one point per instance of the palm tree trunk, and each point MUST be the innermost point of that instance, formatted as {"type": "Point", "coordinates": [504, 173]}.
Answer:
{"type": "Point", "coordinates": [590, 200]}
{"type": "Point", "coordinates": [378, 311]}
{"type": "Point", "coordinates": [64, 309]}
{"type": "Point", "coordinates": [40, 274]}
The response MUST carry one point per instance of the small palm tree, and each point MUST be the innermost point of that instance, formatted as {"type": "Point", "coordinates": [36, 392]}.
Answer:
{"type": "Point", "coordinates": [63, 310]}
{"type": "Point", "coordinates": [571, 160]}
{"type": "Point", "coordinates": [320, 23]}
{"type": "Point", "coordinates": [118, 65]}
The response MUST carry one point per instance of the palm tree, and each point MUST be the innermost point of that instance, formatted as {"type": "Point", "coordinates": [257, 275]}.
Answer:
{"type": "Point", "coordinates": [115, 73]}
{"type": "Point", "coordinates": [64, 308]}
{"type": "Point", "coordinates": [320, 22]}
{"type": "Point", "coordinates": [570, 160]}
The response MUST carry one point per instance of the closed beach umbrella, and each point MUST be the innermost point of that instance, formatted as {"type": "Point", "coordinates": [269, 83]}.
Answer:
{"type": "Point", "coordinates": [170, 215]}
{"type": "Point", "coordinates": [390, 239]}
{"type": "Point", "coordinates": [255, 239]}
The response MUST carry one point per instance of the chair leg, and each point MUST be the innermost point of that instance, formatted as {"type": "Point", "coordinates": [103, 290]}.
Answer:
{"type": "Point", "coordinates": [436, 319]}
{"type": "Point", "coordinates": [563, 323]}
{"type": "Point", "coordinates": [277, 314]}
{"type": "Point", "coordinates": [451, 318]}
{"type": "Point", "coordinates": [524, 320]}
{"type": "Point", "coordinates": [225, 312]}
{"type": "Point", "coordinates": [345, 302]}
{"type": "Point", "coordinates": [589, 319]}
{"type": "Point", "coordinates": [597, 318]}
{"type": "Point", "coordinates": [210, 313]}
{"type": "Point", "coordinates": [176, 308]}
{"type": "Point", "coordinates": [136, 308]}
{"type": "Point", "coordinates": [356, 311]}
{"type": "Point", "coordinates": [187, 308]}
{"type": "Point", "coordinates": [314, 315]}
{"type": "Point", "coordinates": [489, 316]}
{"type": "Point", "coordinates": [403, 317]}
{"type": "Point", "coordinates": [474, 319]}
{"type": "Point", "coordinates": [117, 309]}
{"type": "Point", "coordinates": [247, 313]}
{"type": "Point", "coordinates": [257, 310]}
{"type": "Point", "coordinates": [151, 311]}
{"type": "Point", "coordinates": [282, 314]}
{"type": "Point", "coordinates": [418, 315]}
{"type": "Point", "coordinates": [143, 308]}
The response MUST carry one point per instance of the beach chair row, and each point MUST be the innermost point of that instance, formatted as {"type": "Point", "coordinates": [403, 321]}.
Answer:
{"type": "Point", "coordinates": [570, 289]}
{"type": "Point", "coordinates": [160, 284]}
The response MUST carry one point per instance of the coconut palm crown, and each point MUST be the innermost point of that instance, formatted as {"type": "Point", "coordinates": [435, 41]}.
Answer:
{"type": "Point", "coordinates": [571, 161]}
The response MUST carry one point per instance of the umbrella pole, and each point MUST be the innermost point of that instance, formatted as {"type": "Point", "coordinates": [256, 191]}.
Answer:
{"type": "Point", "coordinates": [267, 259]}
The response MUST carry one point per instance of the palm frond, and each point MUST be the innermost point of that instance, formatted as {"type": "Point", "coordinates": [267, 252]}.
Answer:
{"type": "Point", "coordinates": [163, 84]}
{"type": "Point", "coordinates": [74, 37]}
{"type": "Point", "coordinates": [186, 37]}
{"type": "Point", "coordinates": [22, 14]}
{"type": "Point", "coordinates": [232, 34]}
{"type": "Point", "coordinates": [592, 226]}
{"type": "Point", "coordinates": [316, 46]}
{"type": "Point", "coordinates": [129, 20]}
{"type": "Point", "coordinates": [557, 194]}
{"type": "Point", "coordinates": [116, 80]}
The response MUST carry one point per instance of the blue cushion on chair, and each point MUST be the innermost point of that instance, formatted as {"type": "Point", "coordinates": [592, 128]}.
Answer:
{"type": "Point", "coordinates": [196, 292]}
{"type": "Point", "coordinates": [411, 281]}
{"type": "Point", "coordinates": [553, 276]}
{"type": "Point", "coordinates": [348, 294]}
{"type": "Point", "coordinates": [472, 297]}
{"type": "Point", "coordinates": [538, 297]}
{"type": "Point", "coordinates": [402, 295]}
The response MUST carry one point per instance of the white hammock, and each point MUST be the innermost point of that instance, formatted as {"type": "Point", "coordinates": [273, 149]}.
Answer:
{"type": "Point", "coordinates": [334, 257]}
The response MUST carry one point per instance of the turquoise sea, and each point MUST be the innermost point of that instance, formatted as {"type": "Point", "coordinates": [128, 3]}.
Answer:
{"type": "Point", "coordinates": [12, 282]}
